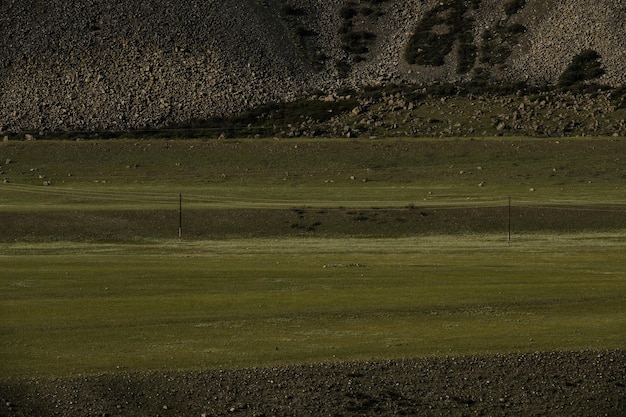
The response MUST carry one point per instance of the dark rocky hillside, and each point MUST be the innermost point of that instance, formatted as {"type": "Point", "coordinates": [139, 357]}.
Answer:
{"type": "Point", "coordinates": [116, 65]}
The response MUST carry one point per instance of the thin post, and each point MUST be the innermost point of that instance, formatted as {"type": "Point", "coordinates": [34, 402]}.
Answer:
{"type": "Point", "coordinates": [509, 220]}
{"type": "Point", "coordinates": [180, 215]}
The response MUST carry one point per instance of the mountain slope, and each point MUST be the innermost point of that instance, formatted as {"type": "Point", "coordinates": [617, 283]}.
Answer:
{"type": "Point", "coordinates": [115, 65]}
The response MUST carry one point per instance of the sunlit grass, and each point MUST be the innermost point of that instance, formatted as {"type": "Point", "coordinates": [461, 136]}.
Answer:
{"type": "Point", "coordinates": [71, 308]}
{"type": "Point", "coordinates": [222, 298]}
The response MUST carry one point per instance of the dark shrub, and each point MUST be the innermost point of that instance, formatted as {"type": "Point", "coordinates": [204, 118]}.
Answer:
{"type": "Point", "coordinates": [618, 97]}
{"type": "Point", "coordinates": [498, 43]}
{"type": "Point", "coordinates": [584, 67]}
{"type": "Point", "coordinates": [429, 44]}
{"type": "Point", "coordinates": [514, 6]}
{"type": "Point", "coordinates": [467, 58]}
{"type": "Point", "coordinates": [291, 10]}
{"type": "Point", "coordinates": [348, 12]}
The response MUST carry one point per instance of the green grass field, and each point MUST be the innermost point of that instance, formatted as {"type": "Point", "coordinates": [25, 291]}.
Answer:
{"type": "Point", "coordinates": [94, 278]}
{"type": "Point", "coordinates": [149, 174]}
{"type": "Point", "coordinates": [71, 309]}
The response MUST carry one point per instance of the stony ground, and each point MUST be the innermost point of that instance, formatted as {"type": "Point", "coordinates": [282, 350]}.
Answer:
{"type": "Point", "coordinates": [588, 383]}
{"type": "Point", "coordinates": [118, 65]}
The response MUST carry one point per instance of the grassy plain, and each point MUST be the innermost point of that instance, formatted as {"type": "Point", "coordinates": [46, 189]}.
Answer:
{"type": "Point", "coordinates": [88, 308]}
{"type": "Point", "coordinates": [285, 173]}
{"type": "Point", "coordinates": [129, 297]}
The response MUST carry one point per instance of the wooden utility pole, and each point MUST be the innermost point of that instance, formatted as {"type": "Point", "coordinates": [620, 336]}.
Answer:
{"type": "Point", "coordinates": [509, 220]}
{"type": "Point", "coordinates": [180, 215]}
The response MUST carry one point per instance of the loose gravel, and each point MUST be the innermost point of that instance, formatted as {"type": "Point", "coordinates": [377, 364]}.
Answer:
{"type": "Point", "coordinates": [87, 65]}
{"type": "Point", "coordinates": [585, 383]}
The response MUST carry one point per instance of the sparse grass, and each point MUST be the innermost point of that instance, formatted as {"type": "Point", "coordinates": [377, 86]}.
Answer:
{"type": "Point", "coordinates": [140, 166]}
{"type": "Point", "coordinates": [149, 174]}
{"type": "Point", "coordinates": [288, 259]}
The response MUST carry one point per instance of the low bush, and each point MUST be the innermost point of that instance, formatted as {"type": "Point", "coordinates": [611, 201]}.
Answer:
{"type": "Point", "coordinates": [497, 43]}
{"type": "Point", "coordinates": [356, 43]}
{"type": "Point", "coordinates": [303, 38]}
{"type": "Point", "coordinates": [357, 40]}
{"type": "Point", "coordinates": [343, 68]}
{"type": "Point", "coordinates": [291, 10]}
{"type": "Point", "coordinates": [348, 12]}
{"type": "Point", "coordinates": [467, 53]}
{"type": "Point", "coordinates": [618, 97]}
{"type": "Point", "coordinates": [584, 67]}
{"type": "Point", "coordinates": [435, 36]}
{"type": "Point", "coordinates": [514, 6]}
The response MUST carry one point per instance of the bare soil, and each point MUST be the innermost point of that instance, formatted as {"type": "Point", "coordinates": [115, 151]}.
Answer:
{"type": "Point", "coordinates": [137, 225]}
{"type": "Point", "coordinates": [586, 383]}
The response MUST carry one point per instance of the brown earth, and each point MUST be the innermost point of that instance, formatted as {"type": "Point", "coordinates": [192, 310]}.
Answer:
{"type": "Point", "coordinates": [587, 383]}
{"type": "Point", "coordinates": [140, 225]}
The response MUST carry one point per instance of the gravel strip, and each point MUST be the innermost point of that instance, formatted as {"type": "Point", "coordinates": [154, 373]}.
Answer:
{"type": "Point", "coordinates": [586, 383]}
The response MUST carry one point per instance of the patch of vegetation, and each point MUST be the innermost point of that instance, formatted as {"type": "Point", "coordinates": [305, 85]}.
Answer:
{"type": "Point", "coordinates": [107, 308]}
{"type": "Point", "coordinates": [449, 24]}
{"type": "Point", "coordinates": [467, 53]}
{"type": "Point", "coordinates": [357, 38]}
{"type": "Point", "coordinates": [497, 43]}
{"type": "Point", "coordinates": [514, 6]}
{"type": "Point", "coordinates": [585, 66]}
{"type": "Point", "coordinates": [618, 96]}
{"type": "Point", "coordinates": [343, 68]}
{"type": "Point", "coordinates": [303, 37]}
{"type": "Point", "coordinates": [348, 11]}
{"type": "Point", "coordinates": [357, 42]}
{"type": "Point", "coordinates": [269, 119]}
{"type": "Point", "coordinates": [437, 32]}
{"type": "Point", "coordinates": [288, 9]}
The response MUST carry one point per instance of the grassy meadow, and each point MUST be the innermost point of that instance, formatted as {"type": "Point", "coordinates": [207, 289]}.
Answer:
{"type": "Point", "coordinates": [306, 251]}
{"type": "Point", "coordinates": [286, 173]}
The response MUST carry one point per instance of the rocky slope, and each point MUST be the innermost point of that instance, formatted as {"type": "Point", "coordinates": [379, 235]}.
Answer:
{"type": "Point", "coordinates": [115, 65]}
